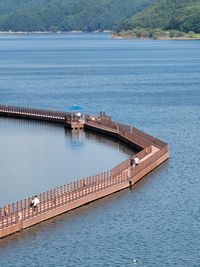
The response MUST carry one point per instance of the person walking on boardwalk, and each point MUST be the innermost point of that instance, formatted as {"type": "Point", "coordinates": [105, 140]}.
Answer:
{"type": "Point", "coordinates": [35, 202]}
{"type": "Point", "coordinates": [136, 160]}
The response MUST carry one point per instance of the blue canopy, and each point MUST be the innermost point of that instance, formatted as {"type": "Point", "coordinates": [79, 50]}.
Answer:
{"type": "Point", "coordinates": [74, 108]}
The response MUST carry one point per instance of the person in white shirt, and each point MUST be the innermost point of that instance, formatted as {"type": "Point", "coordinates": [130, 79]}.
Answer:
{"type": "Point", "coordinates": [78, 115]}
{"type": "Point", "coordinates": [35, 201]}
{"type": "Point", "coordinates": [136, 160]}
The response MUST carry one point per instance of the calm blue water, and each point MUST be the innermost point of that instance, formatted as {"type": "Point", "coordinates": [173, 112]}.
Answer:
{"type": "Point", "coordinates": [36, 157]}
{"type": "Point", "coordinates": [154, 85]}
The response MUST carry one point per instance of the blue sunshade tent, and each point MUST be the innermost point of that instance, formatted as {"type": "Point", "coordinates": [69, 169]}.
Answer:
{"type": "Point", "coordinates": [74, 108]}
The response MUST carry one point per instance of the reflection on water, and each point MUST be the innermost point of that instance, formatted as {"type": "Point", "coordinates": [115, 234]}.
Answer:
{"type": "Point", "coordinates": [37, 156]}
{"type": "Point", "coordinates": [77, 138]}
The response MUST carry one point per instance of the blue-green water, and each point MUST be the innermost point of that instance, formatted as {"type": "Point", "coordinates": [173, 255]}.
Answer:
{"type": "Point", "coordinates": [154, 85]}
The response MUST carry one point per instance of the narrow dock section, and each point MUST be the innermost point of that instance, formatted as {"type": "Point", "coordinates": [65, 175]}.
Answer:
{"type": "Point", "coordinates": [152, 152]}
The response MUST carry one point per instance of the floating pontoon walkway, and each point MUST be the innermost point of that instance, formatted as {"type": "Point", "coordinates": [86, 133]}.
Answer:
{"type": "Point", "coordinates": [152, 152]}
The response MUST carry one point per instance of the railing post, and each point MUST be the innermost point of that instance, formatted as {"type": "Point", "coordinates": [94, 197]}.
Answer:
{"type": "Point", "coordinates": [48, 206]}
{"type": "Point", "coordinates": [24, 209]}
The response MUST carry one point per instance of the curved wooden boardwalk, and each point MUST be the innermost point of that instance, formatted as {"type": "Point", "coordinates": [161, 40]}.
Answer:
{"type": "Point", "coordinates": [152, 152]}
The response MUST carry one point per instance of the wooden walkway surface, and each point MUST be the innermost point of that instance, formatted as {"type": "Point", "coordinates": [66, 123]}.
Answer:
{"type": "Point", "coordinates": [152, 152]}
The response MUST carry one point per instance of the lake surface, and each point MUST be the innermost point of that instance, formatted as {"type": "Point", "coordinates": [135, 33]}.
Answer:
{"type": "Point", "coordinates": [153, 85]}
{"type": "Point", "coordinates": [36, 157]}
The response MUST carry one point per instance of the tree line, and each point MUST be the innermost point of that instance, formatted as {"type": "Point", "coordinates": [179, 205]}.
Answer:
{"type": "Point", "coordinates": [138, 16]}
{"type": "Point", "coordinates": [67, 15]}
{"type": "Point", "coordinates": [181, 15]}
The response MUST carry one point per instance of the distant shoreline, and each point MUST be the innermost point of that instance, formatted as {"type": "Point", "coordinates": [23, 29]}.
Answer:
{"type": "Point", "coordinates": [46, 32]}
{"type": "Point", "coordinates": [155, 34]}
{"type": "Point", "coordinates": [114, 35]}
{"type": "Point", "coordinates": [50, 32]}
{"type": "Point", "coordinates": [157, 39]}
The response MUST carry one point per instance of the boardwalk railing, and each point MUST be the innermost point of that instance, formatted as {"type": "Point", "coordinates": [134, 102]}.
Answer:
{"type": "Point", "coordinates": [150, 160]}
{"type": "Point", "coordinates": [21, 211]}
{"type": "Point", "coordinates": [33, 113]}
{"type": "Point", "coordinates": [141, 138]}
{"type": "Point", "coordinates": [126, 163]}
{"type": "Point", "coordinates": [11, 214]}
{"type": "Point", "coordinates": [133, 134]}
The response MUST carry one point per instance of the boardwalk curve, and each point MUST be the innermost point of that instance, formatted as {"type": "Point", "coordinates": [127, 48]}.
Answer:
{"type": "Point", "coordinates": [152, 152]}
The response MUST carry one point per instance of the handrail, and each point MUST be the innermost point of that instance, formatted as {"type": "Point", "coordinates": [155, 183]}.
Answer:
{"type": "Point", "coordinates": [11, 214]}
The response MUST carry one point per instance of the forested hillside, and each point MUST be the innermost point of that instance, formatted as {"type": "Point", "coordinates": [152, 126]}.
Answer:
{"type": "Point", "coordinates": [67, 15]}
{"type": "Point", "coordinates": [182, 15]}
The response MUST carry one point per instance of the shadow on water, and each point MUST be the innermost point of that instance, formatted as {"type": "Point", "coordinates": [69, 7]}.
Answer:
{"type": "Point", "coordinates": [75, 136]}
{"type": "Point", "coordinates": [78, 137]}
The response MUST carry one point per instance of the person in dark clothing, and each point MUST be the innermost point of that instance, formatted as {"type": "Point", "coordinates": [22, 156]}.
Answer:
{"type": "Point", "coordinates": [131, 162]}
